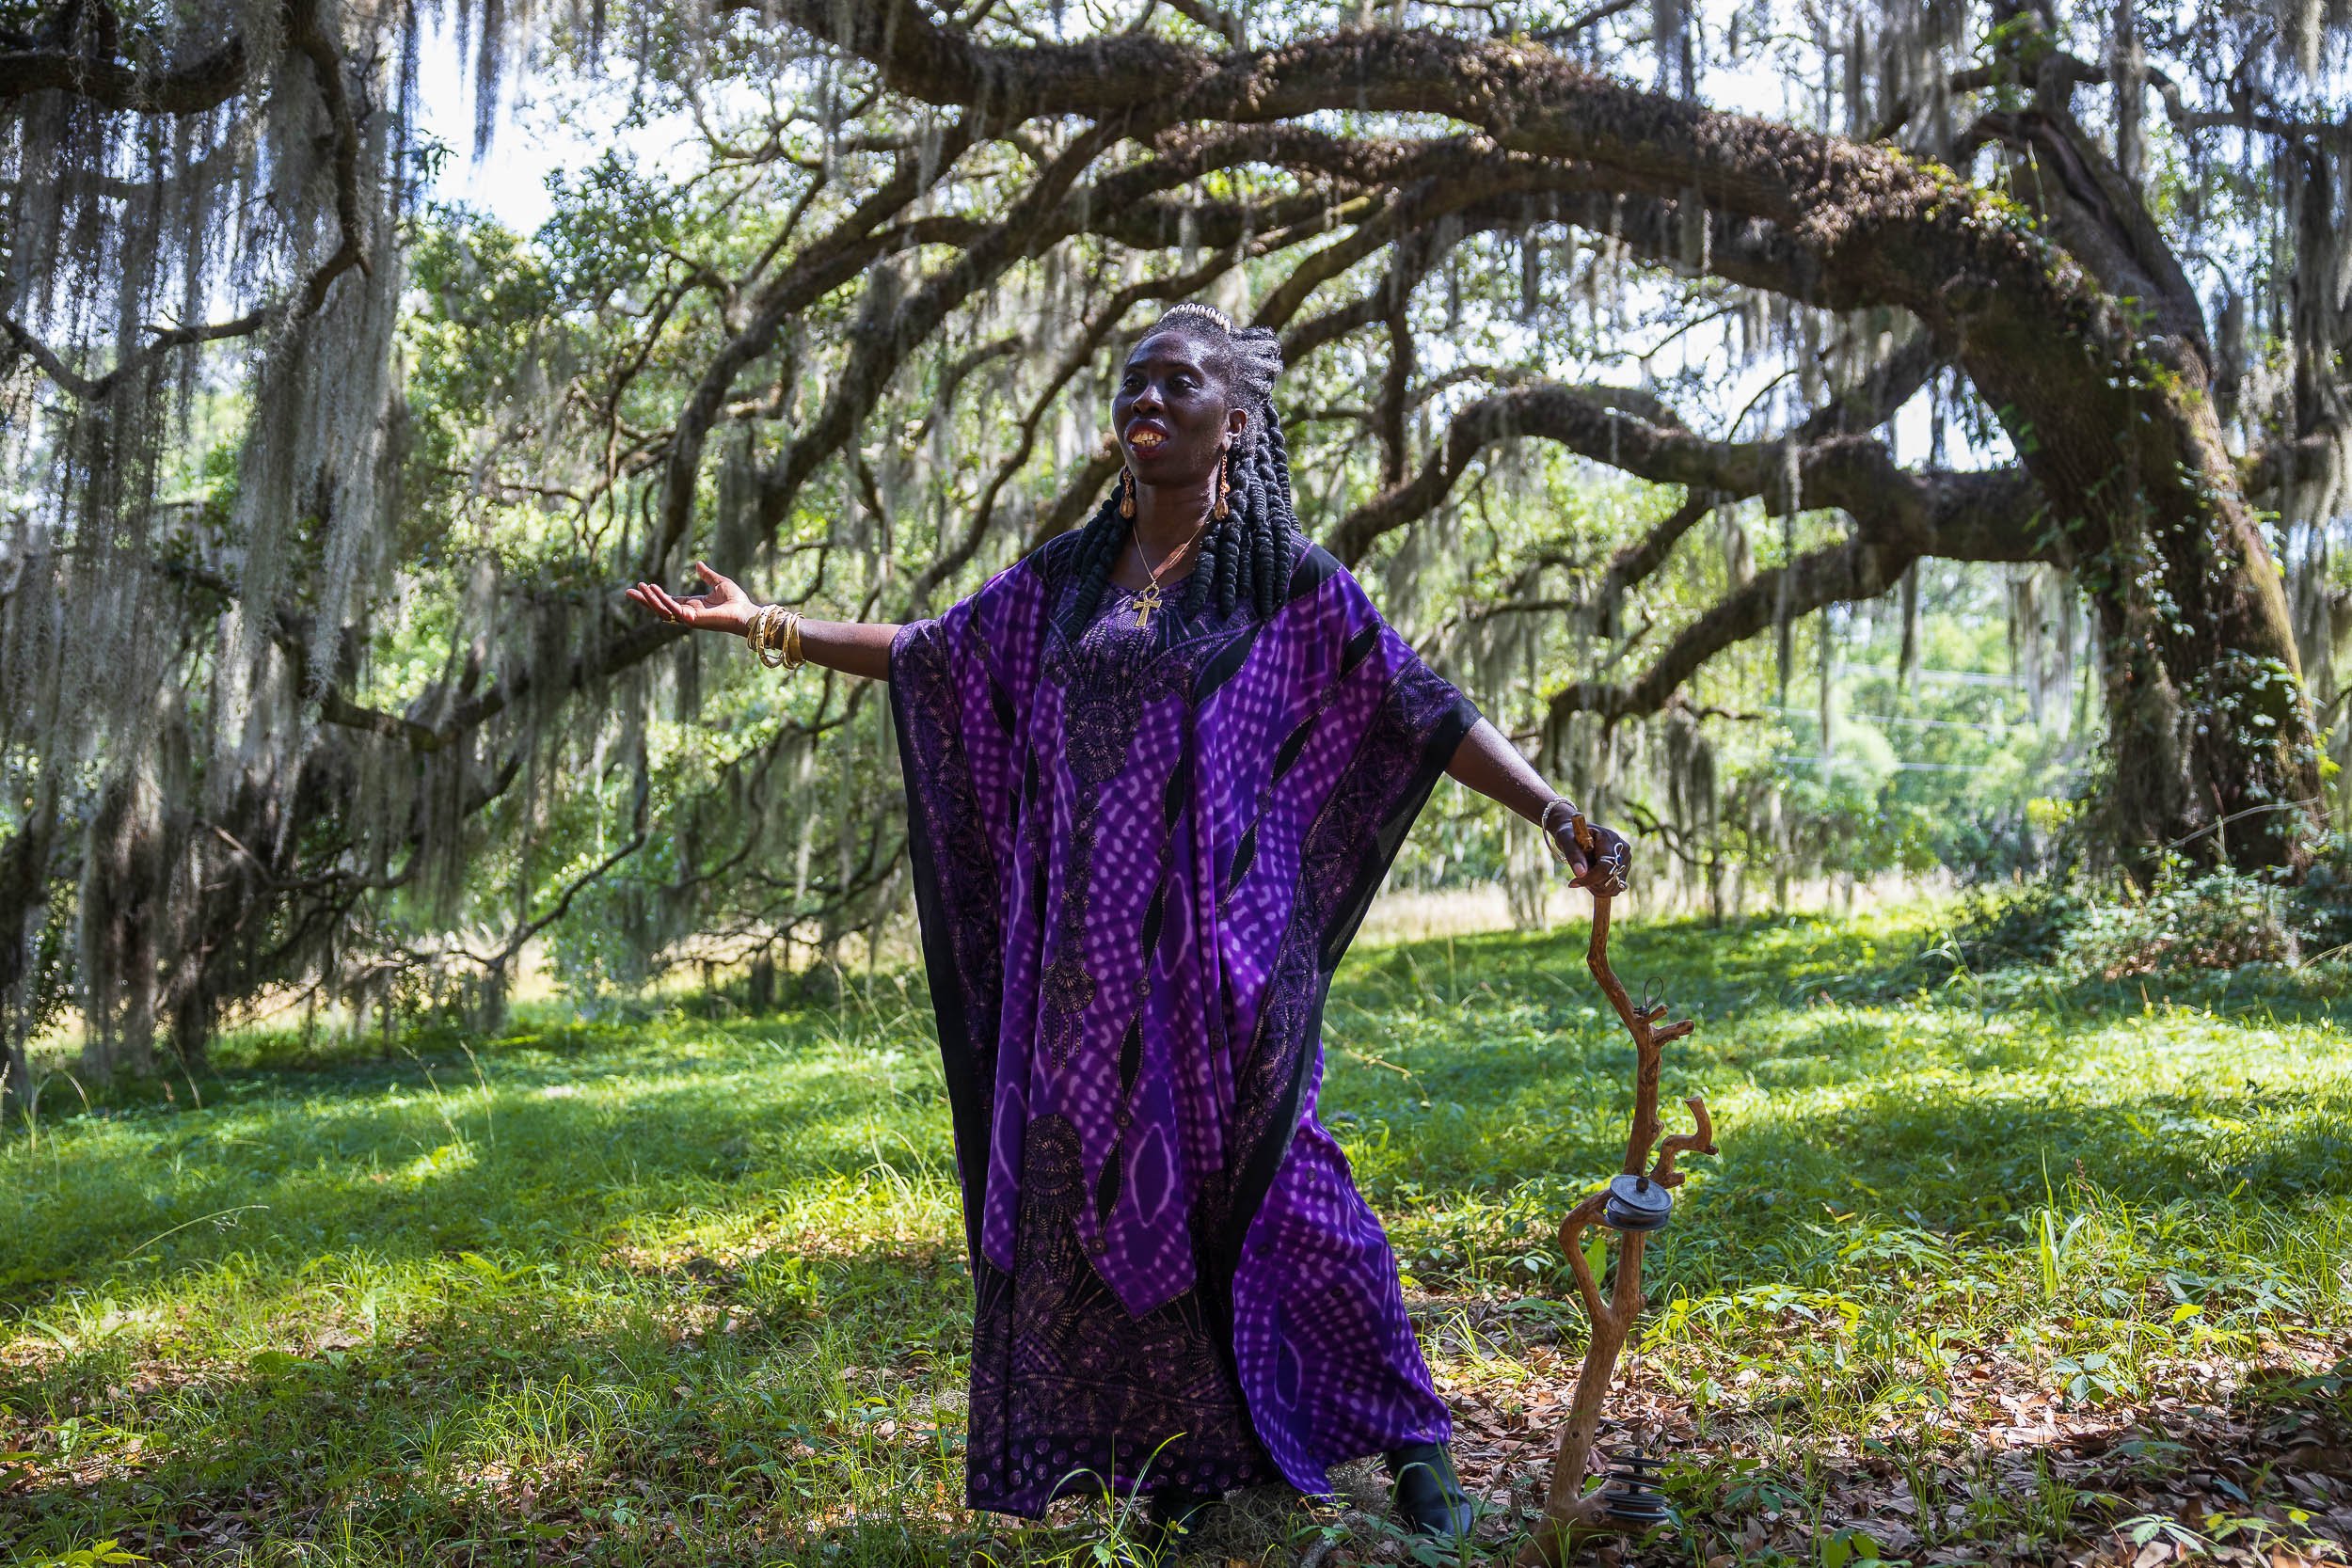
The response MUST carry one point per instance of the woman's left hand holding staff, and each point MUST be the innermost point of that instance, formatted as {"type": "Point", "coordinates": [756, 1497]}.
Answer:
{"type": "Point", "coordinates": [1598, 858]}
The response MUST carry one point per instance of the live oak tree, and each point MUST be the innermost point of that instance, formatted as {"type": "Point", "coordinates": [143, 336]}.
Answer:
{"type": "Point", "coordinates": [311, 670]}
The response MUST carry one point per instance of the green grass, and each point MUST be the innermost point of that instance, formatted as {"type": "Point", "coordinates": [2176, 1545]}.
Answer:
{"type": "Point", "coordinates": [1980, 1275]}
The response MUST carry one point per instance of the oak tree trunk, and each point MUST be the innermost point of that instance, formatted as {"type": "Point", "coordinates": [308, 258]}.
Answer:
{"type": "Point", "coordinates": [2212, 749]}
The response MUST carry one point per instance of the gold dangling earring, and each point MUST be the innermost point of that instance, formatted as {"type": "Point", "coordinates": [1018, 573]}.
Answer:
{"type": "Point", "coordinates": [1126, 492]}
{"type": "Point", "coordinates": [1224, 487]}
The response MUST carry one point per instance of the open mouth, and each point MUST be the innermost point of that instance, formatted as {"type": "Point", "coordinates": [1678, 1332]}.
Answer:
{"type": "Point", "coordinates": [1145, 438]}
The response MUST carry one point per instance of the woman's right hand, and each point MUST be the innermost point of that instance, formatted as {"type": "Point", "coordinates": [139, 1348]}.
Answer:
{"type": "Point", "coordinates": [725, 607]}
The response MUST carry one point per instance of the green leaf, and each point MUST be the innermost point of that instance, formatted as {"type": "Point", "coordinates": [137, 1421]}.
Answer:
{"type": "Point", "coordinates": [108, 1551]}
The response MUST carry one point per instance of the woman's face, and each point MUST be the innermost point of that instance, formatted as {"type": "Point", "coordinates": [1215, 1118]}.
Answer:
{"type": "Point", "coordinates": [1171, 413]}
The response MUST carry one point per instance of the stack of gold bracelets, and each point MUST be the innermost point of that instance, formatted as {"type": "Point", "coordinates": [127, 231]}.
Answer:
{"type": "Point", "coordinates": [775, 635]}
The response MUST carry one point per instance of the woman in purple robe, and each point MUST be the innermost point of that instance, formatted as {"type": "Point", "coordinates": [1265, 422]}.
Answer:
{"type": "Point", "coordinates": [1156, 772]}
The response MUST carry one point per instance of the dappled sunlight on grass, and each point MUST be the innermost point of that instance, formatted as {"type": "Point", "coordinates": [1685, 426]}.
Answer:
{"type": "Point", "coordinates": [690, 1289]}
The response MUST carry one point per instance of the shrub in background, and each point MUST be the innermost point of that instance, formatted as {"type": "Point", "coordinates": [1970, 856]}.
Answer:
{"type": "Point", "coordinates": [2085, 928]}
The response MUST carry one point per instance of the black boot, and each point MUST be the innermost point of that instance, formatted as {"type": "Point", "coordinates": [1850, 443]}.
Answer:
{"type": "Point", "coordinates": [1429, 1495]}
{"type": "Point", "coordinates": [1170, 1519]}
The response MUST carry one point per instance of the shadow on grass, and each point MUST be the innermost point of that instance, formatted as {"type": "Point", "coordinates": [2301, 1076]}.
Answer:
{"type": "Point", "coordinates": [337, 1361]}
{"type": "Point", "coordinates": [522, 1153]}
{"type": "Point", "coordinates": [757, 1396]}
{"type": "Point", "coordinates": [547, 1142]}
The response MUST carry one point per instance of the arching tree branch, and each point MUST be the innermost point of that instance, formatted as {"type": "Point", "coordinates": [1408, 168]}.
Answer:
{"type": "Point", "coordinates": [186, 89]}
{"type": "Point", "coordinates": [1955, 516]}
{"type": "Point", "coordinates": [1851, 472]}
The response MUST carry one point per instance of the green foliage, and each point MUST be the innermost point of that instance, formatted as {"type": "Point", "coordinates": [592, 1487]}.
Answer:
{"type": "Point", "coordinates": [1969, 767]}
{"type": "Point", "coordinates": [100, 1554]}
{"type": "Point", "coordinates": [2085, 930]}
{"type": "Point", "coordinates": [2215, 922]}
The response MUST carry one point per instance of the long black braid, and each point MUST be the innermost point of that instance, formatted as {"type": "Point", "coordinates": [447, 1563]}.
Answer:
{"type": "Point", "coordinates": [1247, 555]}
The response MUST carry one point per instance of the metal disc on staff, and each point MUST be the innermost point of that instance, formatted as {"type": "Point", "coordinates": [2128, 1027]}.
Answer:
{"type": "Point", "coordinates": [1632, 1494]}
{"type": "Point", "coordinates": [1637, 1203]}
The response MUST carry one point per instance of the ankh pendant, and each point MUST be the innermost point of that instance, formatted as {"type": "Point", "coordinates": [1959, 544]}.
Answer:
{"type": "Point", "coordinates": [1146, 602]}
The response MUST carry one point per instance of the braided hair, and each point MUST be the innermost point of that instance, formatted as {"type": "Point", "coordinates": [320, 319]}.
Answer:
{"type": "Point", "coordinates": [1247, 555]}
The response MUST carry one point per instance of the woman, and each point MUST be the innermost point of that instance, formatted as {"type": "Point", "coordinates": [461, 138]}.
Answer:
{"type": "Point", "coordinates": [1156, 770]}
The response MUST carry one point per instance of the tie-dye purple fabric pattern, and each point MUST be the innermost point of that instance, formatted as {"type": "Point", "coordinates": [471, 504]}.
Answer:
{"type": "Point", "coordinates": [1139, 852]}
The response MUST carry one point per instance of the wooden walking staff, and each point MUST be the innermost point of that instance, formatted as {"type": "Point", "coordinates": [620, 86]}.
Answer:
{"type": "Point", "coordinates": [1633, 1204]}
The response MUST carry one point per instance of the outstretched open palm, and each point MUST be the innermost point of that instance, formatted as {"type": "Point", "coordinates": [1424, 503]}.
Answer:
{"type": "Point", "coordinates": [724, 607]}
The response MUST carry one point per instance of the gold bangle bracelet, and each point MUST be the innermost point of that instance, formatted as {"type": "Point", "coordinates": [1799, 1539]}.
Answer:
{"type": "Point", "coordinates": [761, 635]}
{"type": "Point", "coordinates": [773, 633]}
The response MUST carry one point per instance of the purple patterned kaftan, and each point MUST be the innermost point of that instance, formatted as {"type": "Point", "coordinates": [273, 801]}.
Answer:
{"type": "Point", "coordinates": [1138, 855]}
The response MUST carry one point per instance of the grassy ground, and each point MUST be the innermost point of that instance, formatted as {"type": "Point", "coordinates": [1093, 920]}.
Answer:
{"type": "Point", "coordinates": [1982, 1274]}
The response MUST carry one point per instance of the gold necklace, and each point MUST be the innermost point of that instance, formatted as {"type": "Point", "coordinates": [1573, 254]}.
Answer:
{"type": "Point", "coordinates": [1148, 600]}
